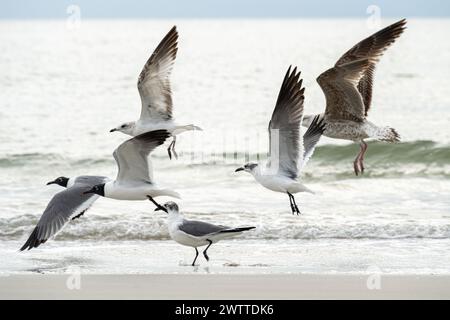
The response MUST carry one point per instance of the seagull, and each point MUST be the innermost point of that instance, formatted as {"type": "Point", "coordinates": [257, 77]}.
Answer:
{"type": "Point", "coordinates": [287, 156]}
{"type": "Point", "coordinates": [134, 179]}
{"type": "Point", "coordinates": [348, 92]}
{"type": "Point", "coordinates": [64, 207]}
{"type": "Point", "coordinates": [156, 96]}
{"type": "Point", "coordinates": [195, 233]}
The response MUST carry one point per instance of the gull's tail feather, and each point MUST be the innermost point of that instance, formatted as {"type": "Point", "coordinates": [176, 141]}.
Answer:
{"type": "Point", "coordinates": [241, 229]}
{"type": "Point", "coordinates": [181, 129]}
{"type": "Point", "coordinates": [388, 134]}
{"type": "Point", "coordinates": [165, 192]}
{"type": "Point", "coordinates": [299, 187]}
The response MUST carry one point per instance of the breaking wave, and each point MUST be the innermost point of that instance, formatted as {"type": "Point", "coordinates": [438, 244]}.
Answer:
{"type": "Point", "coordinates": [416, 152]}
{"type": "Point", "coordinates": [95, 227]}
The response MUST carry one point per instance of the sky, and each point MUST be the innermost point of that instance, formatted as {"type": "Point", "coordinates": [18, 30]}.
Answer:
{"type": "Point", "coordinates": [57, 9]}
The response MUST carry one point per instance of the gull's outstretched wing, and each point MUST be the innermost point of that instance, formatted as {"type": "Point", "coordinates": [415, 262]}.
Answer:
{"type": "Point", "coordinates": [310, 139]}
{"type": "Point", "coordinates": [339, 84]}
{"type": "Point", "coordinates": [132, 156]}
{"type": "Point", "coordinates": [154, 84]}
{"type": "Point", "coordinates": [284, 127]}
{"type": "Point", "coordinates": [371, 48]}
{"type": "Point", "coordinates": [63, 207]}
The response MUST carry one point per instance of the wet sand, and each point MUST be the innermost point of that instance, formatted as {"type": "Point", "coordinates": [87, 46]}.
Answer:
{"type": "Point", "coordinates": [224, 287]}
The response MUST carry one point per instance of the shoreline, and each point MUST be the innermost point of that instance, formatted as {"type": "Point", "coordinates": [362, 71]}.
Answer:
{"type": "Point", "coordinates": [229, 286]}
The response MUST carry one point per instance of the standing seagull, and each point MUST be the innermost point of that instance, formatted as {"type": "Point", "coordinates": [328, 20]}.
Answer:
{"type": "Point", "coordinates": [281, 172]}
{"type": "Point", "coordinates": [195, 233]}
{"type": "Point", "coordinates": [348, 92]}
{"type": "Point", "coordinates": [156, 96]}
{"type": "Point", "coordinates": [65, 206]}
{"type": "Point", "coordinates": [134, 179]}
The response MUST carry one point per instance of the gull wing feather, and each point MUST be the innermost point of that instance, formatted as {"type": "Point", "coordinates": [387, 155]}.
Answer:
{"type": "Point", "coordinates": [341, 95]}
{"type": "Point", "coordinates": [372, 47]}
{"type": "Point", "coordinates": [200, 228]}
{"type": "Point", "coordinates": [284, 126]}
{"type": "Point", "coordinates": [132, 156]}
{"type": "Point", "coordinates": [154, 83]}
{"type": "Point", "coordinates": [339, 84]}
{"type": "Point", "coordinates": [311, 138]}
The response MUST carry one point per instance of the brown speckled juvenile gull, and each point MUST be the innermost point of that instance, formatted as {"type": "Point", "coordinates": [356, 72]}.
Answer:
{"type": "Point", "coordinates": [348, 92]}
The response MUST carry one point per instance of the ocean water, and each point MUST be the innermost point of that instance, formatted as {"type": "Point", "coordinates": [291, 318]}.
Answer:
{"type": "Point", "coordinates": [62, 89]}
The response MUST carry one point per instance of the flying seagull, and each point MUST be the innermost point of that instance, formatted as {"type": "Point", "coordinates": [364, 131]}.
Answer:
{"type": "Point", "coordinates": [156, 96]}
{"type": "Point", "coordinates": [287, 155]}
{"type": "Point", "coordinates": [64, 207]}
{"type": "Point", "coordinates": [195, 233]}
{"type": "Point", "coordinates": [348, 92]}
{"type": "Point", "coordinates": [134, 179]}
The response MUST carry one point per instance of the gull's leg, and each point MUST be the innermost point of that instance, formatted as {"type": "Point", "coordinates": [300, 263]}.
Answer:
{"type": "Point", "coordinates": [196, 255]}
{"type": "Point", "coordinates": [355, 166]}
{"type": "Point", "coordinates": [290, 202]}
{"type": "Point", "coordinates": [295, 205]}
{"type": "Point", "coordinates": [357, 162]}
{"type": "Point", "coordinates": [363, 152]}
{"type": "Point", "coordinates": [204, 252]}
{"type": "Point", "coordinates": [173, 147]}
{"type": "Point", "coordinates": [169, 150]}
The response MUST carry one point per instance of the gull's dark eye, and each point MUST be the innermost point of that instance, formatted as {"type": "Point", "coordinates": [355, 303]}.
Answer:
{"type": "Point", "coordinates": [123, 126]}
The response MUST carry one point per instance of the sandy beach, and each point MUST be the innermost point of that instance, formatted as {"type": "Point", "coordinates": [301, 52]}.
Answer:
{"type": "Point", "coordinates": [224, 287]}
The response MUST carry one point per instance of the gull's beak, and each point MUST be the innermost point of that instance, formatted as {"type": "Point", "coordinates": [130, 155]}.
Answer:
{"type": "Point", "coordinates": [51, 182]}
{"type": "Point", "coordinates": [89, 191]}
{"type": "Point", "coordinates": [112, 130]}
{"type": "Point", "coordinates": [239, 169]}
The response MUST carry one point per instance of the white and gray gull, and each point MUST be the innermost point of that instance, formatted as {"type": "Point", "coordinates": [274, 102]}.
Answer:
{"type": "Point", "coordinates": [134, 179]}
{"type": "Point", "coordinates": [195, 233]}
{"type": "Point", "coordinates": [348, 92]}
{"type": "Point", "coordinates": [288, 154]}
{"type": "Point", "coordinates": [156, 96]}
{"type": "Point", "coordinates": [64, 207]}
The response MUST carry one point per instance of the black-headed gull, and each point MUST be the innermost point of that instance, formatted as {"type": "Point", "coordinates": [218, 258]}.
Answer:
{"type": "Point", "coordinates": [64, 207]}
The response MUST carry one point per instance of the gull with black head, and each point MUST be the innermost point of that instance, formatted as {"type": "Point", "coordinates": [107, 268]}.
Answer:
{"type": "Point", "coordinates": [64, 207]}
